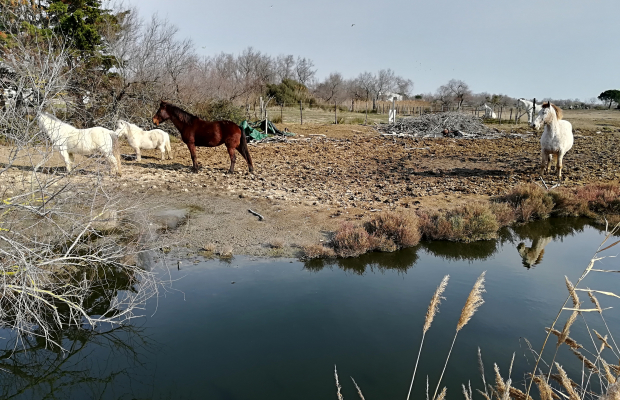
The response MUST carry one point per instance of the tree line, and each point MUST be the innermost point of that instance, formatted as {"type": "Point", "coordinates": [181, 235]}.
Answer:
{"type": "Point", "coordinates": [118, 64]}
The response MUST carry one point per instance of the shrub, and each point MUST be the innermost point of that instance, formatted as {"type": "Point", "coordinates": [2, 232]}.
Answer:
{"type": "Point", "coordinates": [215, 110]}
{"type": "Point", "coordinates": [355, 121]}
{"type": "Point", "coordinates": [314, 251]}
{"type": "Point", "coordinates": [601, 197]}
{"type": "Point", "coordinates": [399, 227]}
{"type": "Point", "coordinates": [468, 223]}
{"type": "Point", "coordinates": [530, 202]}
{"type": "Point", "coordinates": [504, 213]}
{"type": "Point", "coordinates": [568, 204]}
{"type": "Point", "coordinates": [276, 120]}
{"type": "Point", "coordinates": [350, 240]}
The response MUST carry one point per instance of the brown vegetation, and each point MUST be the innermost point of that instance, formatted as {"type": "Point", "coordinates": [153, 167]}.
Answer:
{"type": "Point", "coordinates": [467, 223]}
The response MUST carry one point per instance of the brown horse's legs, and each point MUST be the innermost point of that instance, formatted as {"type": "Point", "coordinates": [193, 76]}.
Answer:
{"type": "Point", "coordinates": [233, 158]}
{"type": "Point", "coordinates": [192, 152]}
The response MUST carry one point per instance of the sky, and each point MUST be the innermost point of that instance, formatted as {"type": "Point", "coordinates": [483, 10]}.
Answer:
{"type": "Point", "coordinates": [560, 49]}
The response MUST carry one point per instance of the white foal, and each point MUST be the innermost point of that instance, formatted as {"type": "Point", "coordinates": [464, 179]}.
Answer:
{"type": "Point", "coordinates": [147, 140]}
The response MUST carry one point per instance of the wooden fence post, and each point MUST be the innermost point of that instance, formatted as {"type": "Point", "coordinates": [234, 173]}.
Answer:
{"type": "Point", "coordinates": [335, 113]}
{"type": "Point", "coordinates": [301, 114]}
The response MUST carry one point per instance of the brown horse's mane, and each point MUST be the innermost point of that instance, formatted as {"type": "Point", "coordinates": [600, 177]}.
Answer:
{"type": "Point", "coordinates": [182, 115]}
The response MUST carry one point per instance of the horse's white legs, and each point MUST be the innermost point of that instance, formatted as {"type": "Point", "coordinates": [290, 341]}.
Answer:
{"type": "Point", "coordinates": [544, 162]}
{"type": "Point", "coordinates": [162, 148]}
{"type": "Point", "coordinates": [114, 166]}
{"type": "Point", "coordinates": [65, 155]}
{"type": "Point", "coordinates": [138, 155]}
{"type": "Point", "coordinates": [559, 166]}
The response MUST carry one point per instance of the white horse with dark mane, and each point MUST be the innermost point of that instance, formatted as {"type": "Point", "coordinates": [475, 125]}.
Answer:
{"type": "Point", "coordinates": [141, 139]}
{"type": "Point", "coordinates": [557, 138]}
{"type": "Point", "coordinates": [68, 140]}
{"type": "Point", "coordinates": [488, 112]}
{"type": "Point", "coordinates": [529, 109]}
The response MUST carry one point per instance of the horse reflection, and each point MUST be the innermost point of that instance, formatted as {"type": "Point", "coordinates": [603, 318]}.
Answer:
{"type": "Point", "coordinates": [533, 255]}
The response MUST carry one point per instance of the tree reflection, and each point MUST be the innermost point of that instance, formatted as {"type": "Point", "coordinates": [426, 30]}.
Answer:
{"type": "Point", "coordinates": [87, 361]}
{"type": "Point", "coordinates": [400, 260]}
{"type": "Point", "coordinates": [90, 366]}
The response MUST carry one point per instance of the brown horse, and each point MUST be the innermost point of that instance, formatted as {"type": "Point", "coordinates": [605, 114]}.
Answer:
{"type": "Point", "coordinates": [197, 132]}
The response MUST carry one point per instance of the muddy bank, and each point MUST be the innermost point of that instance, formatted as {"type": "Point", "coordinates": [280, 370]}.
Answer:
{"type": "Point", "coordinates": [304, 187]}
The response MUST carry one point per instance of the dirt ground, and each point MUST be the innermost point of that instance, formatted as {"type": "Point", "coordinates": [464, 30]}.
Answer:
{"type": "Point", "coordinates": [305, 186]}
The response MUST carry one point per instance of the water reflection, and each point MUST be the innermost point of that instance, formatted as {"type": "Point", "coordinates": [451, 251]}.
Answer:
{"type": "Point", "coordinates": [30, 368]}
{"type": "Point", "coordinates": [54, 361]}
{"type": "Point", "coordinates": [457, 251]}
{"type": "Point", "coordinates": [401, 260]}
{"type": "Point", "coordinates": [533, 255]}
{"type": "Point", "coordinates": [529, 239]}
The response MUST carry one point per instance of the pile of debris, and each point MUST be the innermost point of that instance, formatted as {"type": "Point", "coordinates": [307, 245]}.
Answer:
{"type": "Point", "coordinates": [445, 124]}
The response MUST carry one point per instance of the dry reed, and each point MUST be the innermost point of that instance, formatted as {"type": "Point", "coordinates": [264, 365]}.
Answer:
{"type": "Point", "coordinates": [566, 330]}
{"type": "Point", "coordinates": [613, 392]}
{"type": "Point", "coordinates": [608, 375]}
{"type": "Point", "coordinates": [442, 395]}
{"type": "Point", "coordinates": [585, 361]}
{"type": "Point", "coordinates": [573, 293]}
{"type": "Point", "coordinates": [546, 393]}
{"type": "Point", "coordinates": [338, 387]}
{"type": "Point", "coordinates": [602, 339]}
{"type": "Point", "coordinates": [568, 340]}
{"type": "Point", "coordinates": [474, 301]}
{"type": "Point", "coordinates": [433, 308]}
{"type": "Point", "coordinates": [567, 383]}
{"type": "Point", "coordinates": [359, 391]}
{"type": "Point", "coordinates": [595, 302]}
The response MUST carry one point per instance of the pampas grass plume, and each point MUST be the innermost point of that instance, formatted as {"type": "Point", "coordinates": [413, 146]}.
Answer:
{"type": "Point", "coordinates": [433, 307]}
{"type": "Point", "coordinates": [474, 300]}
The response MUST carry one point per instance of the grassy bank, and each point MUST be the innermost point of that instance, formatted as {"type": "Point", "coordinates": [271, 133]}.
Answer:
{"type": "Point", "coordinates": [393, 230]}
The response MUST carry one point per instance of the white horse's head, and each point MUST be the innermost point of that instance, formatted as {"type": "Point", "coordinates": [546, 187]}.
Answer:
{"type": "Point", "coordinates": [548, 114]}
{"type": "Point", "coordinates": [121, 128]}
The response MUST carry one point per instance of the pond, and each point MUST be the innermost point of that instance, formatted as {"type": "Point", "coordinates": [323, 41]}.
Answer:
{"type": "Point", "coordinates": [275, 328]}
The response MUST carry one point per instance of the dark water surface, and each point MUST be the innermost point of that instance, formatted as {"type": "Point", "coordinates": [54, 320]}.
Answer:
{"type": "Point", "coordinates": [277, 332]}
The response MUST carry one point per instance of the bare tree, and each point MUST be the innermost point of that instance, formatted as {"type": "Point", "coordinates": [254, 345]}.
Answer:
{"type": "Point", "coordinates": [304, 71]}
{"type": "Point", "coordinates": [459, 90]}
{"type": "Point", "coordinates": [444, 95]}
{"type": "Point", "coordinates": [384, 82]}
{"type": "Point", "coordinates": [60, 233]}
{"type": "Point", "coordinates": [332, 89]}
{"type": "Point", "coordinates": [403, 86]}
{"type": "Point", "coordinates": [285, 67]}
{"type": "Point", "coordinates": [368, 82]}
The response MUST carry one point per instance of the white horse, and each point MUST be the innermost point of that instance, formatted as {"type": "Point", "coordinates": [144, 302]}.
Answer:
{"type": "Point", "coordinates": [69, 140]}
{"type": "Point", "coordinates": [528, 108]}
{"type": "Point", "coordinates": [141, 139]}
{"type": "Point", "coordinates": [557, 138]}
{"type": "Point", "coordinates": [488, 112]}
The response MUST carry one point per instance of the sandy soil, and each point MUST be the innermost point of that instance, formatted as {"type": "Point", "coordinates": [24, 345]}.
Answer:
{"type": "Point", "coordinates": [306, 186]}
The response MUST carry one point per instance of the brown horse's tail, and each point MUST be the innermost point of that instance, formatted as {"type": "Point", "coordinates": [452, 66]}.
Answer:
{"type": "Point", "coordinates": [243, 150]}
